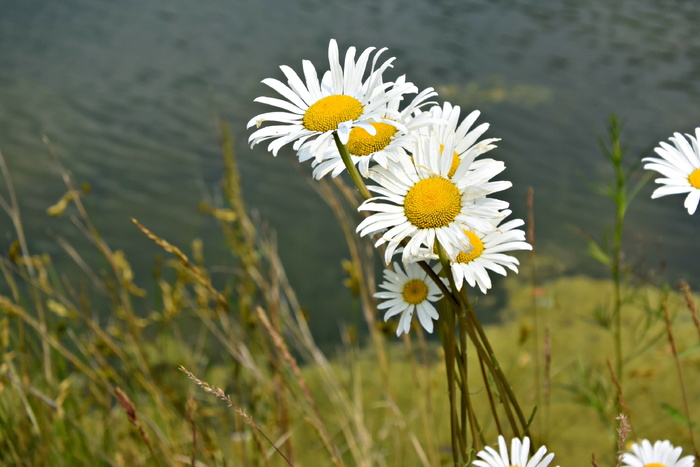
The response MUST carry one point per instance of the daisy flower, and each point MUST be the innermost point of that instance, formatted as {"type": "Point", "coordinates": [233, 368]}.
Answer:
{"type": "Point", "coordinates": [680, 164]}
{"type": "Point", "coordinates": [465, 137]}
{"type": "Point", "coordinates": [365, 148]}
{"type": "Point", "coordinates": [486, 253]}
{"type": "Point", "coordinates": [421, 202]}
{"type": "Point", "coordinates": [407, 292]}
{"type": "Point", "coordinates": [661, 454]}
{"type": "Point", "coordinates": [518, 457]}
{"type": "Point", "coordinates": [339, 102]}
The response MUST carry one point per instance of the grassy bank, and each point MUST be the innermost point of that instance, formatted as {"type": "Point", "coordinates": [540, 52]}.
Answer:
{"type": "Point", "coordinates": [77, 388]}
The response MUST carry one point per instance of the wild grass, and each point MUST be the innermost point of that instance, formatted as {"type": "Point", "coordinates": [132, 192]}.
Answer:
{"type": "Point", "coordinates": [93, 373]}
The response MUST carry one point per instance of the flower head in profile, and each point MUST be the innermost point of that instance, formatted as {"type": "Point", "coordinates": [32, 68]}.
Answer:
{"type": "Point", "coordinates": [660, 454]}
{"type": "Point", "coordinates": [343, 99]}
{"type": "Point", "coordinates": [519, 455]}
{"type": "Point", "coordinates": [680, 165]}
{"type": "Point", "coordinates": [420, 201]}
{"type": "Point", "coordinates": [407, 292]}
{"type": "Point", "coordinates": [487, 252]}
{"type": "Point", "coordinates": [381, 147]}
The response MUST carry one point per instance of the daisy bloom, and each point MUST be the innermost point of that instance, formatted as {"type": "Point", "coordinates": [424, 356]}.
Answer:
{"type": "Point", "coordinates": [465, 137]}
{"type": "Point", "coordinates": [518, 456]}
{"type": "Point", "coordinates": [660, 454]}
{"type": "Point", "coordinates": [680, 164]}
{"type": "Point", "coordinates": [419, 201]}
{"type": "Point", "coordinates": [339, 102]}
{"type": "Point", "coordinates": [389, 138]}
{"type": "Point", "coordinates": [407, 292]}
{"type": "Point", "coordinates": [487, 253]}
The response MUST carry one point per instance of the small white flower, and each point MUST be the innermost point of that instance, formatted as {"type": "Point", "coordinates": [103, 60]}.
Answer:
{"type": "Point", "coordinates": [313, 110]}
{"type": "Point", "coordinates": [660, 454]}
{"type": "Point", "coordinates": [680, 164]}
{"type": "Point", "coordinates": [408, 292]}
{"type": "Point", "coordinates": [518, 457]}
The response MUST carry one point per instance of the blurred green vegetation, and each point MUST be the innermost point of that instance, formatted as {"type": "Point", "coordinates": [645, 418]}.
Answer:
{"type": "Point", "coordinates": [80, 389]}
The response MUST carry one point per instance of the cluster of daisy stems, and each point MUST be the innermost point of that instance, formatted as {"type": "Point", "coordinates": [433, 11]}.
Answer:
{"type": "Point", "coordinates": [429, 207]}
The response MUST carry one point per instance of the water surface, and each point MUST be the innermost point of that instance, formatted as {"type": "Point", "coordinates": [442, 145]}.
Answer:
{"type": "Point", "coordinates": [125, 91]}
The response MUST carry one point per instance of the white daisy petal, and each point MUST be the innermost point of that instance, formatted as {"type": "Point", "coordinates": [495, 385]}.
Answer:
{"type": "Point", "coordinates": [433, 207]}
{"type": "Point", "coordinates": [408, 292]}
{"type": "Point", "coordinates": [341, 101]}
{"type": "Point", "coordinates": [485, 251]}
{"type": "Point", "coordinates": [680, 163]}
{"type": "Point", "coordinates": [518, 456]}
{"type": "Point", "coordinates": [660, 453]}
{"type": "Point", "coordinates": [379, 138]}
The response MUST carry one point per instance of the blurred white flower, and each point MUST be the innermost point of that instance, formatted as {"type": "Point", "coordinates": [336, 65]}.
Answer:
{"type": "Point", "coordinates": [680, 165]}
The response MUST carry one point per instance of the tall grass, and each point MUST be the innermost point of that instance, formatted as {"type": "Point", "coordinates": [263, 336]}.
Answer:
{"type": "Point", "coordinates": [92, 367]}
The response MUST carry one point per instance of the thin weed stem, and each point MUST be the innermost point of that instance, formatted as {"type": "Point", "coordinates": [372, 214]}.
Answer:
{"type": "Point", "coordinates": [130, 411]}
{"type": "Point", "coordinates": [533, 285]}
{"type": "Point", "coordinates": [218, 392]}
{"type": "Point", "coordinates": [690, 302]}
{"type": "Point", "coordinates": [679, 371]}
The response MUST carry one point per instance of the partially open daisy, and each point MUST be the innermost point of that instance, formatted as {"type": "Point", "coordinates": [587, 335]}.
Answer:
{"type": "Point", "coordinates": [519, 455]}
{"type": "Point", "coordinates": [660, 454]}
{"type": "Point", "coordinates": [487, 253]}
{"type": "Point", "coordinates": [408, 292]}
{"type": "Point", "coordinates": [419, 201]}
{"type": "Point", "coordinates": [466, 146]}
{"type": "Point", "coordinates": [365, 148]}
{"type": "Point", "coordinates": [340, 101]}
{"type": "Point", "coordinates": [680, 164]}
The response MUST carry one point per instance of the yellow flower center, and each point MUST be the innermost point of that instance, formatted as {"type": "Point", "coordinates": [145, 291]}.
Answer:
{"type": "Point", "coordinates": [656, 464]}
{"type": "Point", "coordinates": [455, 162]}
{"type": "Point", "coordinates": [694, 178]}
{"type": "Point", "coordinates": [415, 291]}
{"type": "Point", "coordinates": [361, 143]}
{"type": "Point", "coordinates": [475, 252]}
{"type": "Point", "coordinates": [327, 113]}
{"type": "Point", "coordinates": [433, 202]}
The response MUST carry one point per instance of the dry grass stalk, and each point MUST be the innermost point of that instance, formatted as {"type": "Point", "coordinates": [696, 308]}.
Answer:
{"type": "Point", "coordinates": [281, 347]}
{"type": "Point", "coordinates": [218, 392]}
{"type": "Point", "coordinates": [196, 271]}
{"type": "Point", "coordinates": [679, 371]}
{"type": "Point", "coordinates": [362, 263]}
{"type": "Point", "coordinates": [547, 383]}
{"type": "Point", "coordinates": [191, 408]}
{"type": "Point", "coordinates": [130, 410]}
{"type": "Point", "coordinates": [620, 400]}
{"type": "Point", "coordinates": [688, 294]}
{"type": "Point", "coordinates": [622, 432]}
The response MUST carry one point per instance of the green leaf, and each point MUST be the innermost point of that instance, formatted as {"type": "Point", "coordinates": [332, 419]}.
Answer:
{"type": "Point", "coordinates": [677, 416]}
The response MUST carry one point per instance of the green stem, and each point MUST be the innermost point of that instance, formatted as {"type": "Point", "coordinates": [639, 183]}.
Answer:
{"type": "Point", "coordinates": [478, 337]}
{"type": "Point", "coordinates": [352, 170]}
{"type": "Point", "coordinates": [447, 340]}
{"type": "Point", "coordinates": [497, 372]}
{"type": "Point", "coordinates": [620, 199]}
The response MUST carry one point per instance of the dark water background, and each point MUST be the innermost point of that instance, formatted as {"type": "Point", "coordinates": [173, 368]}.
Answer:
{"type": "Point", "coordinates": [125, 89]}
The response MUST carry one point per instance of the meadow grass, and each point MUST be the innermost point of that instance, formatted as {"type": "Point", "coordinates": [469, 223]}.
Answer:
{"type": "Point", "coordinates": [229, 374]}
